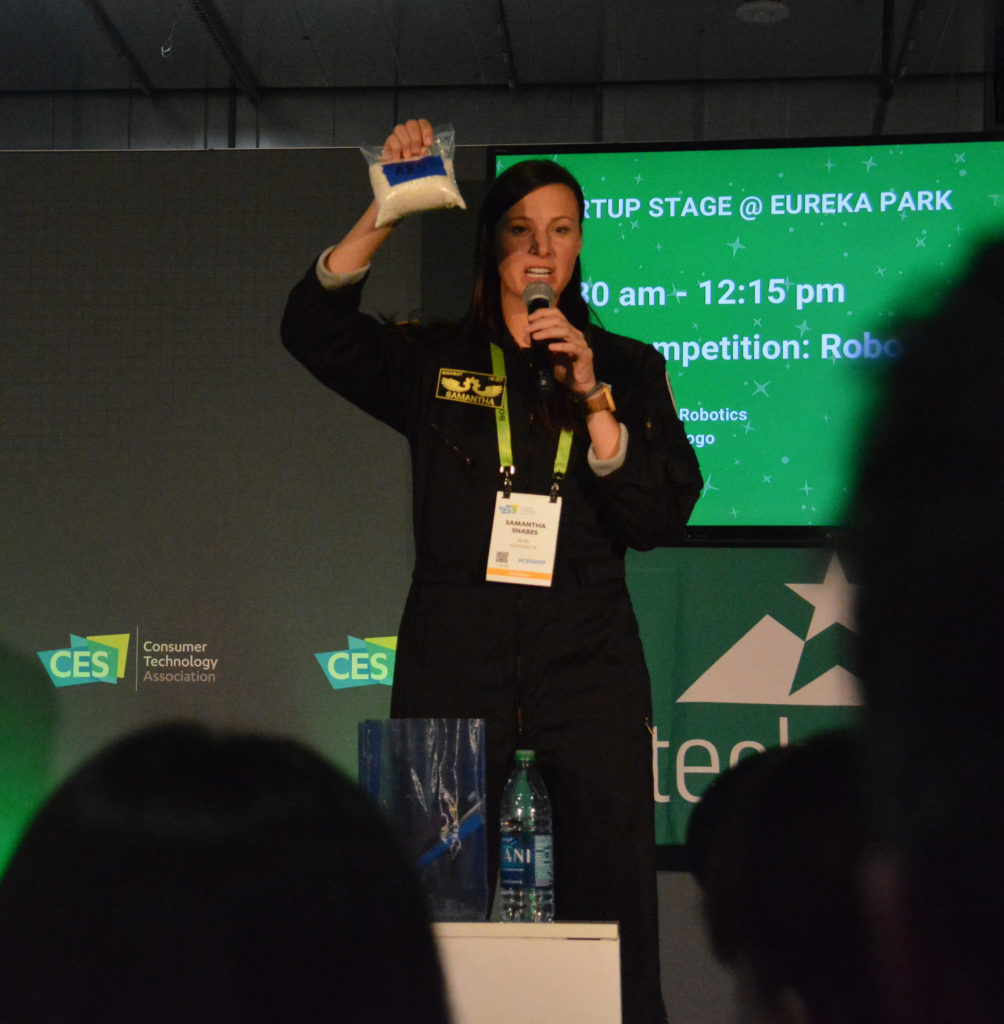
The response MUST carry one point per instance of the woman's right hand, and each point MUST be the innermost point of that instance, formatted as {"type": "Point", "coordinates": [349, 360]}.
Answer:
{"type": "Point", "coordinates": [408, 141]}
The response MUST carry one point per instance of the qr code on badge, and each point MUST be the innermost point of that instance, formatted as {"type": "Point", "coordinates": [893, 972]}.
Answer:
{"type": "Point", "coordinates": [502, 557]}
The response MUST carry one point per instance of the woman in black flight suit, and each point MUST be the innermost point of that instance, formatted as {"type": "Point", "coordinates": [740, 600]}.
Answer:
{"type": "Point", "coordinates": [559, 667]}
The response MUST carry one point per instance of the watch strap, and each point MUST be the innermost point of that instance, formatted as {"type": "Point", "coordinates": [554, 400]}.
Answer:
{"type": "Point", "coordinates": [599, 399]}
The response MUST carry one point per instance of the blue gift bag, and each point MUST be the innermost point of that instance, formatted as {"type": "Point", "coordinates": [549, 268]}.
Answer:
{"type": "Point", "coordinates": [428, 774]}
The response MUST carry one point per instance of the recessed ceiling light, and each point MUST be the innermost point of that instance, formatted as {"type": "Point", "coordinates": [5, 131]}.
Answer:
{"type": "Point", "coordinates": [762, 12]}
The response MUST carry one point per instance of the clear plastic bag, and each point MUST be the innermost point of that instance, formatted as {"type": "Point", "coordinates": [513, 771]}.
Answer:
{"type": "Point", "coordinates": [402, 187]}
{"type": "Point", "coordinates": [428, 775]}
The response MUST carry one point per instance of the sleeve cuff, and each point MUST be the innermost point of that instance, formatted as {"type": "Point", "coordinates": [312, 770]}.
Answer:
{"type": "Point", "coordinates": [332, 282]}
{"type": "Point", "coordinates": [604, 467]}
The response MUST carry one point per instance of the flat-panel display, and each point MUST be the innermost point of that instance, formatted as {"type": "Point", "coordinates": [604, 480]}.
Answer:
{"type": "Point", "coordinates": [774, 279]}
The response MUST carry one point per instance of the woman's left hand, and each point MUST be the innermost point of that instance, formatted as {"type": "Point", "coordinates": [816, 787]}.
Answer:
{"type": "Point", "coordinates": [570, 352]}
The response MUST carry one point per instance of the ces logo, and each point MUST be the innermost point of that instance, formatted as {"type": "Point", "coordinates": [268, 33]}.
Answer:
{"type": "Point", "coordinates": [90, 659]}
{"type": "Point", "coordinates": [366, 663]}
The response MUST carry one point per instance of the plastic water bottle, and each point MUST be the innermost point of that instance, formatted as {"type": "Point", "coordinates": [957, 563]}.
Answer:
{"type": "Point", "coordinates": [527, 872]}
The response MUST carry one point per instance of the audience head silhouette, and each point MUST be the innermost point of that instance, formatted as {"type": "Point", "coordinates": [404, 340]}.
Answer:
{"type": "Point", "coordinates": [929, 545]}
{"type": "Point", "coordinates": [775, 844]}
{"type": "Point", "coordinates": [185, 875]}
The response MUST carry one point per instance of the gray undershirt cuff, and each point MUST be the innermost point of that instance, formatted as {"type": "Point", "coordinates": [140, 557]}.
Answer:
{"type": "Point", "coordinates": [604, 467]}
{"type": "Point", "coordinates": [332, 282]}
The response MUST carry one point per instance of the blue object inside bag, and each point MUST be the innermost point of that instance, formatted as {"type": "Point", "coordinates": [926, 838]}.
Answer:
{"type": "Point", "coordinates": [410, 170]}
{"type": "Point", "coordinates": [428, 775]}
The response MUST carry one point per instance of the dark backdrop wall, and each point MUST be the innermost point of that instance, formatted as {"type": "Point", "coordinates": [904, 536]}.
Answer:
{"type": "Point", "coordinates": [169, 472]}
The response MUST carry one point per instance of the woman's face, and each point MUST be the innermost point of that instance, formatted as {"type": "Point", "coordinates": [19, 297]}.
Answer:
{"type": "Point", "coordinates": [538, 239]}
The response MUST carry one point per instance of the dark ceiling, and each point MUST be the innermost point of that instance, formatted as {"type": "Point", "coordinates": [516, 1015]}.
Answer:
{"type": "Point", "coordinates": [257, 46]}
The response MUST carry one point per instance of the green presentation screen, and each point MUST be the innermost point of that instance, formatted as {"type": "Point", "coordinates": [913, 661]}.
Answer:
{"type": "Point", "coordinates": [774, 279]}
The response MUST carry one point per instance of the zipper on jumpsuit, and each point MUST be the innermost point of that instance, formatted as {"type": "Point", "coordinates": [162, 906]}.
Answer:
{"type": "Point", "coordinates": [519, 654]}
{"type": "Point", "coordinates": [519, 665]}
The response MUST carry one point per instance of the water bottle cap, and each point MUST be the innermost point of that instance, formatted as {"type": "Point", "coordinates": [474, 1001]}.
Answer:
{"type": "Point", "coordinates": [525, 755]}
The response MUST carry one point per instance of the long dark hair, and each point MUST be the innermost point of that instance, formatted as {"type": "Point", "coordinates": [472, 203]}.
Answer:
{"type": "Point", "coordinates": [508, 189]}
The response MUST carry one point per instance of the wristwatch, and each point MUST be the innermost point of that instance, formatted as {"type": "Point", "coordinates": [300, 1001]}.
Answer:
{"type": "Point", "coordinates": [599, 399]}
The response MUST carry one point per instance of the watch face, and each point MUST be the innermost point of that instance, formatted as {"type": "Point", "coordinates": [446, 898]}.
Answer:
{"type": "Point", "coordinates": [603, 399]}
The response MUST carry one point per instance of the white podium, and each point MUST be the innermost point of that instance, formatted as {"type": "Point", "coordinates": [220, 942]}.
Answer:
{"type": "Point", "coordinates": [568, 972]}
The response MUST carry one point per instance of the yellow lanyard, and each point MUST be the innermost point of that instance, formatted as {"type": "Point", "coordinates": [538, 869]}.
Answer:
{"type": "Point", "coordinates": [506, 464]}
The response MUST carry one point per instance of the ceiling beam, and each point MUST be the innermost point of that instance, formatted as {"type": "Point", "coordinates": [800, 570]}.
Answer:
{"type": "Point", "coordinates": [213, 23]}
{"type": "Point", "coordinates": [502, 24]}
{"type": "Point", "coordinates": [890, 73]}
{"type": "Point", "coordinates": [108, 27]}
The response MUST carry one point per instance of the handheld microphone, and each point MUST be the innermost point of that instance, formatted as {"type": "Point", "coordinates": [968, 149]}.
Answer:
{"type": "Point", "coordinates": [538, 295]}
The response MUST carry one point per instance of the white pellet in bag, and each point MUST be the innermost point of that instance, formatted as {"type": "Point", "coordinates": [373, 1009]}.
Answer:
{"type": "Point", "coordinates": [412, 186]}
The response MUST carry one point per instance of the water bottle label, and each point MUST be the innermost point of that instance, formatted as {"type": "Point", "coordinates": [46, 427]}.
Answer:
{"type": "Point", "coordinates": [544, 863]}
{"type": "Point", "coordinates": [517, 860]}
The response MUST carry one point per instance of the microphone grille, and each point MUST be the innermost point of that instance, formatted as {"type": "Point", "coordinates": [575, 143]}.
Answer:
{"type": "Point", "coordinates": [536, 290]}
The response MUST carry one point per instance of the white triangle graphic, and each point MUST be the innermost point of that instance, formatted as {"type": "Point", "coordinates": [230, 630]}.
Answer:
{"type": "Point", "coordinates": [760, 668]}
{"type": "Point", "coordinates": [757, 669]}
